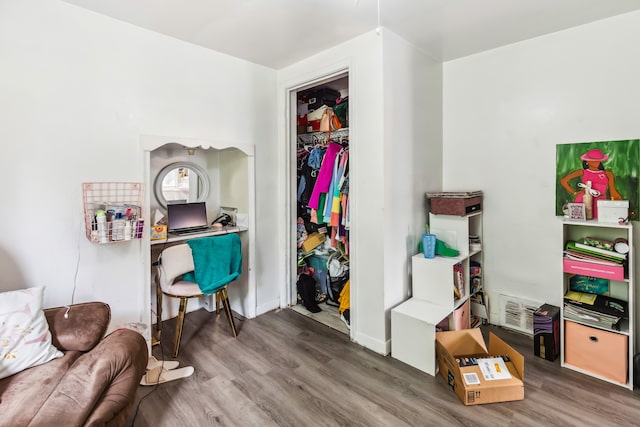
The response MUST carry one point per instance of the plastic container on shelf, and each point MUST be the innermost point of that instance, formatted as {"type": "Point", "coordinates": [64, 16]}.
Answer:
{"type": "Point", "coordinates": [117, 232]}
{"type": "Point", "coordinates": [429, 245]}
{"type": "Point", "coordinates": [101, 219]}
{"type": "Point", "coordinates": [127, 230]}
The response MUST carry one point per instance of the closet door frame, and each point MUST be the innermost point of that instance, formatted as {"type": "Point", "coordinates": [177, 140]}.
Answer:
{"type": "Point", "coordinates": [288, 293]}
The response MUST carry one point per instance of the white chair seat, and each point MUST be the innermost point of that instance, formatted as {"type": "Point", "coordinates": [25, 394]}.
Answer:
{"type": "Point", "coordinates": [174, 262]}
{"type": "Point", "coordinates": [184, 289]}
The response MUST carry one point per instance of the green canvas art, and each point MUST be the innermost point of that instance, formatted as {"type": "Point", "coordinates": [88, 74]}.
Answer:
{"type": "Point", "coordinates": [608, 169]}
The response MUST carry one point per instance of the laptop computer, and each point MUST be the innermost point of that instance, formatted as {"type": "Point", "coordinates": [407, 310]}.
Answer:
{"type": "Point", "coordinates": [186, 218]}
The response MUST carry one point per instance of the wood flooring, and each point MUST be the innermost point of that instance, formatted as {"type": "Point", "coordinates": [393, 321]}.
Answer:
{"type": "Point", "coordinates": [328, 316]}
{"type": "Point", "coordinates": [285, 369]}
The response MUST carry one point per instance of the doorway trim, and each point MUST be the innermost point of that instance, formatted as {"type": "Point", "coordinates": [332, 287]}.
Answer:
{"type": "Point", "coordinates": [288, 91]}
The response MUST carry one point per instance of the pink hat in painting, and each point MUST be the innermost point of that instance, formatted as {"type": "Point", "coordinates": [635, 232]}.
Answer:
{"type": "Point", "coordinates": [596, 155]}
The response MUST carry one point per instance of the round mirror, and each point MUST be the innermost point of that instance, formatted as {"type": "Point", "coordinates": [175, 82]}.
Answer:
{"type": "Point", "coordinates": [181, 182]}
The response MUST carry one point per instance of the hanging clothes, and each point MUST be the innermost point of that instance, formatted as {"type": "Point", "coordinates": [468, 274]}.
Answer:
{"type": "Point", "coordinates": [308, 169]}
{"type": "Point", "coordinates": [337, 194]}
{"type": "Point", "coordinates": [325, 174]}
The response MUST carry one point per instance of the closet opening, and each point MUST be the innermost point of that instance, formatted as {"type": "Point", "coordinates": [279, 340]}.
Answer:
{"type": "Point", "coordinates": [320, 202]}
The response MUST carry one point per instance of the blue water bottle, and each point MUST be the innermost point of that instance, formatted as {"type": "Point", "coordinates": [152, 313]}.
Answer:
{"type": "Point", "coordinates": [429, 245]}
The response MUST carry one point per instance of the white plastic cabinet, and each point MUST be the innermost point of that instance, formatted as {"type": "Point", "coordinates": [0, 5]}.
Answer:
{"type": "Point", "coordinates": [599, 351]}
{"type": "Point", "coordinates": [414, 322]}
{"type": "Point", "coordinates": [463, 233]}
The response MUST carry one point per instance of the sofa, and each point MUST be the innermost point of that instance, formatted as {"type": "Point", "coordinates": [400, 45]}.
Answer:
{"type": "Point", "coordinates": [94, 383]}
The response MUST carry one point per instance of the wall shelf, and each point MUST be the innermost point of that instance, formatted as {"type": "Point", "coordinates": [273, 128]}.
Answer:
{"type": "Point", "coordinates": [122, 204]}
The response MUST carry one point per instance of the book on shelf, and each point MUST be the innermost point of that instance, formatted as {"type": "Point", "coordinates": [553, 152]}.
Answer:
{"type": "Point", "coordinates": [594, 253]}
{"type": "Point", "coordinates": [593, 285]}
{"type": "Point", "coordinates": [479, 305]}
{"type": "Point", "coordinates": [582, 257]}
{"type": "Point", "coordinates": [458, 281]}
{"type": "Point", "coordinates": [581, 297]}
{"type": "Point", "coordinates": [602, 251]}
{"type": "Point", "coordinates": [598, 243]}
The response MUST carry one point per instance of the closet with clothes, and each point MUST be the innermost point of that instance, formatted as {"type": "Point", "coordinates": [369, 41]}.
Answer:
{"type": "Point", "coordinates": [322, 199]}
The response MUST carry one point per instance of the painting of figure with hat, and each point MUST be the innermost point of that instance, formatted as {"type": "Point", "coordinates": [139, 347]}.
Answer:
{"type": "Point", "coordinates": [592, 171]}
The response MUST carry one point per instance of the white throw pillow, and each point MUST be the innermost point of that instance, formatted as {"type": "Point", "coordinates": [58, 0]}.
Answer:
{"type": "Point", "coordinates": [25, 340]}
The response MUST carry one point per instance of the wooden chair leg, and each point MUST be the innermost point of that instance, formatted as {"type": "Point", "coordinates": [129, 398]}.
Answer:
{"type": "Point", "coordinates": [155, 336]}
{"type": "Point", "coordinates": [158, 309]}
{"type": "Point", "coordinates": [217, 303]}
{"type": "Point", "coordinates": [181, 312]}
{"type": "Point", "coordinates": [227, 308]}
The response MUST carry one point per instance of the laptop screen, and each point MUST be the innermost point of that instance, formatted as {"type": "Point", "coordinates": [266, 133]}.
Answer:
{"type": "Point", "coordinates": [186, 216]}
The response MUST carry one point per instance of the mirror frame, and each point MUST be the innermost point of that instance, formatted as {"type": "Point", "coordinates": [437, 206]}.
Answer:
{"type": "Point", "coordinates": [199, 170]}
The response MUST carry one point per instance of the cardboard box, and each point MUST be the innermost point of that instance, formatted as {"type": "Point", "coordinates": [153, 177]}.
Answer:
{"type": "Point", "coordinates": [584, 268]}
{"type": "Point", "coordinates": [546, 332]}
{"type": "Point", "coordinates": [462, 357]}
{"type": "Point", "coordinates": [313, 241]}
{"type": "Point", "coordinates": [158, 232]}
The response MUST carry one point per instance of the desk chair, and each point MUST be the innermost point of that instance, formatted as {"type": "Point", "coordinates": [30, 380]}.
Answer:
{"type": "Point", "coordinates": [174, 262]}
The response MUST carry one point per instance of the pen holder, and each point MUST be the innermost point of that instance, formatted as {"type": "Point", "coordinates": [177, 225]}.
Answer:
{"type": "Point", "coordinates": [429, 245]}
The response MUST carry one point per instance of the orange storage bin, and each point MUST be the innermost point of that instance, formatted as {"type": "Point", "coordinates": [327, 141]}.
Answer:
{"type": "Point", "coordinates": [597, 351]}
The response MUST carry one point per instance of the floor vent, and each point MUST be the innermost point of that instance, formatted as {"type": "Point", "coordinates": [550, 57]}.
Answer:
{"type": "Point", "coordinates": [517, 313]}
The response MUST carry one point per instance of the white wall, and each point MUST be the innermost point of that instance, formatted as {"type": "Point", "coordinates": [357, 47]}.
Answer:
{"type": "Point", "coordinates": [362, 56]}
{"type": "Point", "coordinates": [77, 90]}
{"type": "Point", "coordinates": [392, 88]}
{"type": "Point", "coordinates": [504, 112]}
{"type": "Point", "coordinates": [412, 157]}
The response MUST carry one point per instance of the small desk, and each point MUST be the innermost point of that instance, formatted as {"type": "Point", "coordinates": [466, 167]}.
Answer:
{"type": "Point", "coordinates": [175, 239]}
{"type": "Point", "coordinates": [181, 238]}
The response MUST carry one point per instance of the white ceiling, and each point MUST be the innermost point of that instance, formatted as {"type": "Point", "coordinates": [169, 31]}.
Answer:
{"type": "Point", "coordinates": [277, 33]}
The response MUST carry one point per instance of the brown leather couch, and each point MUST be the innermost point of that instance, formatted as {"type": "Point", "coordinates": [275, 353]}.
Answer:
{"type": "Point", "coordinates": [93, 384]}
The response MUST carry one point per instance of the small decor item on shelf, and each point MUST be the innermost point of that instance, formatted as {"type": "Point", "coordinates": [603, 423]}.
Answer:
{"type": "Point", "coordinates": [443, 250]}
{"type": "Point", "coordinates": [158, 232]}
{"type": "Point", "coordinates": [613, 211]}
{"type": "Point", "coordinates": [429, 244]}
{"type": "Point", "coordinates": [621, 246]}
{"type": "Point", "coordinates": [576, 211]}
{"type": "Point", "coordinates": [587, 198]}
{"type": "Point", "coordinates": [475, 244]}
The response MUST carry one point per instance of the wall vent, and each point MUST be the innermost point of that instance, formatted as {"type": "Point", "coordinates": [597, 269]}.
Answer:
{"type": "Point", "coordinates": [517, 313]}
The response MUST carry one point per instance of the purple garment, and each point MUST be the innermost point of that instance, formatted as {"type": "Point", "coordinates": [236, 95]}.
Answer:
{"type": "Point", "coordinates": [324, 176]}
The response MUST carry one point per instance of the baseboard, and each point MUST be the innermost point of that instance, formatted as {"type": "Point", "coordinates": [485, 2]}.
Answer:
{"type": "Point", "coordinates": [380, 347]}
{"type": "Point", "coordinates": [268, 306]}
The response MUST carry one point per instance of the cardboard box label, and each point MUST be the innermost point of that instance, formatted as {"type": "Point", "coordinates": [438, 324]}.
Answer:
{"type": "Point", "coordinates": [493, 368]}
{"type": "Point", "coordinates": [471, 378]}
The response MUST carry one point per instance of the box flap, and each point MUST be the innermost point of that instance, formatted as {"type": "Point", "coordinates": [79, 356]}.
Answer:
{"type": "Point", "coordinates": [464, 342]}
{"type": "Point", "coordinates": [498, 347]}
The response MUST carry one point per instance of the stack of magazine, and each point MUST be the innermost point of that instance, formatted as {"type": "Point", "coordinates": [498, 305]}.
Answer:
{"type": "Point", "coordinates": [597, 310]}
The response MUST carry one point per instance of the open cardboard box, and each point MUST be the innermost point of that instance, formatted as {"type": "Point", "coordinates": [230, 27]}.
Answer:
{"type": "Point", "coordinates": [467, 366]}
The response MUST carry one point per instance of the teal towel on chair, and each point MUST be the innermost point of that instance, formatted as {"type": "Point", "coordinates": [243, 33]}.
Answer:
{"type": "Point", "coordinates": [217, 261]}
